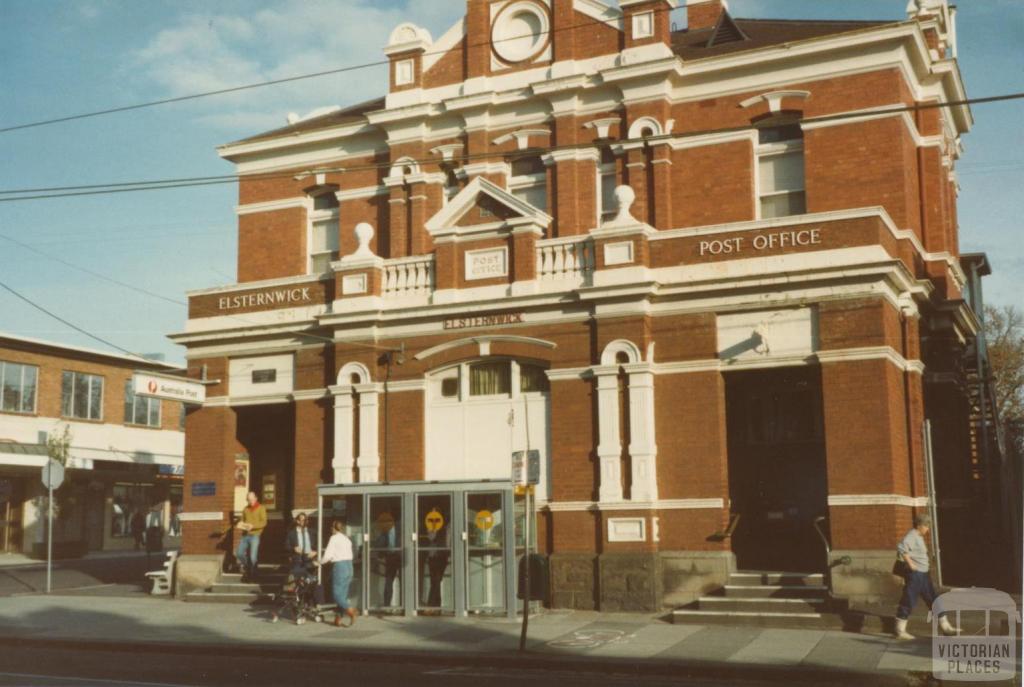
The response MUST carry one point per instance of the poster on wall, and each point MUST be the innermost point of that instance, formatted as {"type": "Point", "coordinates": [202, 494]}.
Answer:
{"type": "Point", "coordinates": [241, 479]}
{"type": "Point", "coordinates": [268, 495]}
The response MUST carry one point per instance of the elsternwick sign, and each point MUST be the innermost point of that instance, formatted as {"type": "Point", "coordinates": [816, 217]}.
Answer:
{"type": "Point", "coordinates": [168, 388]}
{"type": "Point", "coordinates": [483, 320]}
{"type": "Point", "coordinates": [275, 297]}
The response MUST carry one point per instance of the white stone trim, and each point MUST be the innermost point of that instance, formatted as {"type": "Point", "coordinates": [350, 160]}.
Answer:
{"type": "Point", "coordinates": [407, 385]}
{"type": "Point", "coordinates": [271, 205]}
{"type": "Point", "coordinates": [774, 99]}
{"type": "Point", "coordinates": [309, 394]}
{"type": "Point", "coordinates": [634, 529]}
{"type": "Point", "coordinates": [208, 516]}
{"type": "Point", "coordinates": [486, 339]}
{"type": "Point", "coordinates": [877, 500]}
{"type": "Point", "coordinates": [362, 192]}
{"type": "Point", "coordinates": [262, 284]}
{"type": "Point", "coordinates": [700, 140]}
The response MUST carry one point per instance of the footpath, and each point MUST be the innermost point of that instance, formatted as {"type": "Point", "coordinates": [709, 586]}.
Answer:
{"type": "Point", "coordinates": [581, 641]}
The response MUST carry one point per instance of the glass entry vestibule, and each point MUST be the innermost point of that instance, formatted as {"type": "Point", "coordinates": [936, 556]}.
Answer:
{"type": "Point", "coordinates": [428, 548]}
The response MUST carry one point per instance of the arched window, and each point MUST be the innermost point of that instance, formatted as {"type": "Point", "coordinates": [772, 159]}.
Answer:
{"type": "Point", "coordinates": [324, 232]}
{"type": "Point", "coordinates": [492, 378]}
{"type": "Point", "coordinates": [780, 167]}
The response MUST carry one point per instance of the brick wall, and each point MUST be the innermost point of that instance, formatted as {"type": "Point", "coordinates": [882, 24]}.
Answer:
{"type": "Point", "coordinates": [52, 365]}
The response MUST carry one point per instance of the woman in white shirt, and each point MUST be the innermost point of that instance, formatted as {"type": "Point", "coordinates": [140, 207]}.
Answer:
{"type": "Point", "coordinates": [339, 552]}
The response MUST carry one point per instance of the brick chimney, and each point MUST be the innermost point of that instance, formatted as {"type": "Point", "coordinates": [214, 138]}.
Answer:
{"type": "Point", "coordinates": [704, 14]}
{"type": "Point", "coordinates": [405, 51]}
{"type": "Point", "coordinates": [647, 21]}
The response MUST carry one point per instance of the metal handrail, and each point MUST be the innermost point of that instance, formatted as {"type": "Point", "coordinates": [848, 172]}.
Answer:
{"type": "Point", "coordinates": [824, 540]}
{"type": "Point", "coordinates": [734, 520]}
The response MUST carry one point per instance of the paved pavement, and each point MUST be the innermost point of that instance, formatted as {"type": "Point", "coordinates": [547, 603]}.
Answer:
{"type": "Point", "coordinates": [640, 642]}
{"type": "Point", "coordinates": [121, 573]}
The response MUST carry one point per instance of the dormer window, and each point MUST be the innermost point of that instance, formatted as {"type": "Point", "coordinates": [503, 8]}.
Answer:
{"type": "Point", "coordinates": [529, 181]}
{"type": "Point", "coordinates": [323, 232]}
{"type": "Point", "coordinates": [780, 169]}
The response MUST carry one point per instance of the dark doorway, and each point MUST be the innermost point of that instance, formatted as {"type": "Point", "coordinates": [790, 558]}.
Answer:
{"type": "Point", "coordinates": [266, 433]}
{"type": "Point", "coordinates": [777, 476]}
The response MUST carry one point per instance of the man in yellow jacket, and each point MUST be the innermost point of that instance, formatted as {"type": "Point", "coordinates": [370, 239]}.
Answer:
{"type": "Point", "coordinates": [252, 524]}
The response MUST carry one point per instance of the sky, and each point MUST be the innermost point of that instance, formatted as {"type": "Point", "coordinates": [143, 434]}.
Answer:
{"type": "Point", "coordinates": [64, 58]}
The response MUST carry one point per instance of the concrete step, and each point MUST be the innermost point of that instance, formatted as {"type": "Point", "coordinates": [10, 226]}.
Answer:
{"type": "Point", "coordinates": [789, 579]}
{"type": "Point", "coordinates": [724, 604]}
{"type": "Point", "coordinates": [774, 591]}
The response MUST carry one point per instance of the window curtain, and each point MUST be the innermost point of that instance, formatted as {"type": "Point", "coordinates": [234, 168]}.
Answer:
{"type": "Point", "coordinates": [489, 379]}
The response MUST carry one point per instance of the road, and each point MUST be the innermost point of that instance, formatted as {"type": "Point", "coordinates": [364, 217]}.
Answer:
{"type": "Point", "coordinates": [41, 667]}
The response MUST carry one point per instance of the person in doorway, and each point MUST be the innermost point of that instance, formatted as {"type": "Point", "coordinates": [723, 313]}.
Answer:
{"type": "Point", "coordinates": [339, 553]}
{"type": "Point", "coordinates": [912, 553]}
{"type": "Point", "coordinates": [138, 528]}
{"type": "Point", "coordinates": [252, 524]}
{"type": "Point", "coordinates": [300, 547]}
{"type": "Point", "coordinates": [388, 540]}
{"type": "Point", "coordinates": [437, 563]}
{"type": "Point", "coordinates": [154, 529]}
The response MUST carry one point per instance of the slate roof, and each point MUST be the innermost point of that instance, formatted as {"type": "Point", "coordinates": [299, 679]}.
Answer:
{"type": "Point", "coordinates": [730, 35]}
{"type": "Point", "coordinates": [758, 33]}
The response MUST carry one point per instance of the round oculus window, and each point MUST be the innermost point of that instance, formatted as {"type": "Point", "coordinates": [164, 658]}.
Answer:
{"type": "Point", "coordinates": [520, 31]}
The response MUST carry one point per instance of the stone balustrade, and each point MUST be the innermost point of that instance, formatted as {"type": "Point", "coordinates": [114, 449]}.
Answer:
{"type": "Point", "coordinates": [565, 259]}
{"type": "Point", "coordinates": [408, 276]}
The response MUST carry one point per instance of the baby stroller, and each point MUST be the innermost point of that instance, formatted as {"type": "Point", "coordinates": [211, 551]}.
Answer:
{"type": "Point", "coordinates": [301, 596]}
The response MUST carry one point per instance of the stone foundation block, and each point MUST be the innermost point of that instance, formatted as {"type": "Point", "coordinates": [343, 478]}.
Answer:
{"type": "Point", "coordinates": [573, 577]}
{"type": "Point", "coordinates": [867, 579]}
{"type": "Point", "coordinates": [196, 572]}
{"type": "Point", "coordinates": [629, 582]}
{"type": "Point", "coordinates": [687, 575]}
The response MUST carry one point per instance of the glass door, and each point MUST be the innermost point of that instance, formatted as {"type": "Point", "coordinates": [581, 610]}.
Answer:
{"type": "Point", "coordinates": [348, 510]}
{"type": "Point", "coordinates": [485, 552]}
{"type": "Point", "coordinates": [434, 581]}
{"type": "Point", "coordinates": [384, 553]}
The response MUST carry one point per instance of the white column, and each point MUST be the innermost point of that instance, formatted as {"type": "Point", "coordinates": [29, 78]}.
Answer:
{"type": "Point", "coordinates": [369, 454]}
{"type": "Point", "coordinates": [343, 461]}
{"type": "Point", "coordinates": [642, 448]}
{"type": "Point", "coordinates": [609, 448]}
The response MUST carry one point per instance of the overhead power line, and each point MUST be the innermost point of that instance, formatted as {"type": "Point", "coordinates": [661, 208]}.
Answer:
{"type": "Point", "coordinates": [74, 326]}
{"type": "Point", "coordinates": [151, 294]}
{"type": "Point", "coordinates": [11, 195]}
{"type": "Point", "coordinates": [299, 77]}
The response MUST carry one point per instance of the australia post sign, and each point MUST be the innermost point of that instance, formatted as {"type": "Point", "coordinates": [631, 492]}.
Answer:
{"type": "Point", "coordinates": [168, 388]}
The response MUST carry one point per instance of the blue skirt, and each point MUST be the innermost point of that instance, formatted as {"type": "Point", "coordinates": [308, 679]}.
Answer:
{"type": "Point", "coordinates": [341, 579]}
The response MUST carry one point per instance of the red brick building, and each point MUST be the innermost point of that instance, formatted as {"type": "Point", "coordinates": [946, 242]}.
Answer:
{"type": "Point", "coordinates": [711, 274]}
{"type": "Point", "coordinates": [125, 462]}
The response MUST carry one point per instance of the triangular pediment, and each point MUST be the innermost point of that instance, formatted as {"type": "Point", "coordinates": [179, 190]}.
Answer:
{"type": "Point", "coordinates": [485, 204]}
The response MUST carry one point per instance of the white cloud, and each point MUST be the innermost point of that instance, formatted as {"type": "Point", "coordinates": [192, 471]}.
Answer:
{"type": "Point", "coordinates": [204, 51]}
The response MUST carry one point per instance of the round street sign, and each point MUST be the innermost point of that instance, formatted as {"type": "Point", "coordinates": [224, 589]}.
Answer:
{"type": "Point", "coordinates": [484, 520]}
{"type": "Point", "coordinates": [53, 474]}
{"type": "Point", "coordinates": [434, 521]}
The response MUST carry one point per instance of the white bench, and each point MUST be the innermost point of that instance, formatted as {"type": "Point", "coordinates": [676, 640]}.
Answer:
{"type": "Point", "coordinates": [162, 578]}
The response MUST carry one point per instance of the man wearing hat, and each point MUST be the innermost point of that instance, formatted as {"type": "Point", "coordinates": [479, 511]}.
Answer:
{"type": "Point", "coordinates": [912, 551]}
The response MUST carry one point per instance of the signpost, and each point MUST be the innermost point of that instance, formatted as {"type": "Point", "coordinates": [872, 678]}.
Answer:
{"type": "Point", "coordinates": [526, 474]}
{"type": "Point", "coordinates": [168, 387]}
{"type": "Point", "coordinates": [53, 477]}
